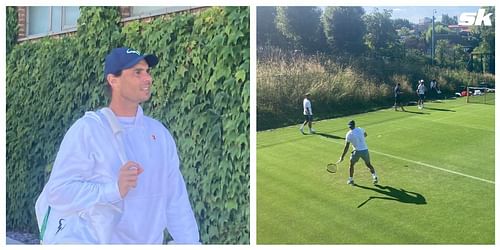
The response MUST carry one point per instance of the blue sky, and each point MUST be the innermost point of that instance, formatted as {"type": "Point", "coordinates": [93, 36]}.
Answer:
{"type": "Point", "coordinates": [415, 13]}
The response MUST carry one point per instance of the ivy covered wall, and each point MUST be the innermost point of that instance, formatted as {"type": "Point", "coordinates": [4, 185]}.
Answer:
{"type": "Point", "coordinates": [12, 29]}
{"type": "Point", "coordinates": [201, 92]}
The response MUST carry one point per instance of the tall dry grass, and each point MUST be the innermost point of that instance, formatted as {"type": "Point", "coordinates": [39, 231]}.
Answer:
{"type": "Point", "coordinates": [451, 80]}
{"type": "Point", "coordinates": [336, 88]}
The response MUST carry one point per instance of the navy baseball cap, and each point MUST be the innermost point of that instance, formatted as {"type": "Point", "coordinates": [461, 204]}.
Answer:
{"type": "Point", "coordinates": [123, 58]}
{"type": "Point", "coordinates": [351, 124]}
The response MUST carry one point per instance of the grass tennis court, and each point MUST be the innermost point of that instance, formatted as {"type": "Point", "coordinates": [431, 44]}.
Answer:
{"type": "Point", "coordinates": [436, 179]}
{"type": "Point", "coordinates": [488, 98]}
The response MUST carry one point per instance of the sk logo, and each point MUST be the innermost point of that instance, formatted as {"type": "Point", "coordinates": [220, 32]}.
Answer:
{"type": "Point", "coordinates": [469, 19]}
{"type": "Point", "coordinates": [154, 137]}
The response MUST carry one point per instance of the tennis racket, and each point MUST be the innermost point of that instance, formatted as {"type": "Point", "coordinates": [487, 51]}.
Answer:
{"type": "Point", "coordinates": [332, 167]}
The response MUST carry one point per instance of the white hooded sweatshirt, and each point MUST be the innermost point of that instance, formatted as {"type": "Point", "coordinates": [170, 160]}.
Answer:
{"type": "Point", "coordinates": [83, 193]}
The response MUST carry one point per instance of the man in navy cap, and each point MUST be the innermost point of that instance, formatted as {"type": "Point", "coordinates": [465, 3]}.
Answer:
{"type": "Point", "coordinates": [116, 177]}
{"type": "Point", "coordinates": [356, 136]}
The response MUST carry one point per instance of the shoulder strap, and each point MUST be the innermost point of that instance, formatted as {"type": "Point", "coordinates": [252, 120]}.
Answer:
{"type": "Point", "coordinates": [117, 130]}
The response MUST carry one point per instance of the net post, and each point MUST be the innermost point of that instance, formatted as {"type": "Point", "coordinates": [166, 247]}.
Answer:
{"type": "Point", "coordinates": [467, 95]}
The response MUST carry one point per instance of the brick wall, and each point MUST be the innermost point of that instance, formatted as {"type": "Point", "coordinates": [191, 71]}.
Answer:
{"type": "Point", "coordinates": [21, 20]}
{"type": "Point", "coordinates": [125, 13]}
{"type": "Point", "coordinates": [125, 10]}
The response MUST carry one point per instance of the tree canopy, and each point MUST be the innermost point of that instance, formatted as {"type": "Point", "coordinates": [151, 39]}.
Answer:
{"type": "Point", "coordinates": [301, 25]}
{"type": "Point", "coordinates": [347, 32]}
{"type": "Point", "coordinates": [344, 29]}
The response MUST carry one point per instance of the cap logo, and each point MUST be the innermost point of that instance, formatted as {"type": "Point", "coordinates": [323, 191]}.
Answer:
{"type": "Point", "coordinates": [129, 51]}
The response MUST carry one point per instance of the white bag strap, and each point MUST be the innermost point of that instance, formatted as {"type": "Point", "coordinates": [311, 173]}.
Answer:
{"type": "Point", "coordinates": [117, 130]}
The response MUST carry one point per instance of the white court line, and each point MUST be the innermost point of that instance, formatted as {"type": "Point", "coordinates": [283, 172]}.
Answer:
{"type": "Point", "coordinates": [423, 164]}
{"type": "Point", "coordinates": [431, 166]}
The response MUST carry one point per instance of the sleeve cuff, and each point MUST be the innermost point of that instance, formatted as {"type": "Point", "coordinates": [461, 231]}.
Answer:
{"type": "Point", "coordinates": [111, 193]}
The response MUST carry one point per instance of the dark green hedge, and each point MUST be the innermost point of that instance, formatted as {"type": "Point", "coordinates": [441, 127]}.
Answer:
{"type": "Point", "coordinates": [201, 91]}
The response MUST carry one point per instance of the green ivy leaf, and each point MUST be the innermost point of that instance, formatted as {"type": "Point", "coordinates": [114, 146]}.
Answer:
{"type": "Point", "coordinates": [241, 75]}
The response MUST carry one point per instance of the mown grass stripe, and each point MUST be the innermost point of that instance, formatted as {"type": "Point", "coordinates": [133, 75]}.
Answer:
{"type": "Point", "coordinates": [421, 163]}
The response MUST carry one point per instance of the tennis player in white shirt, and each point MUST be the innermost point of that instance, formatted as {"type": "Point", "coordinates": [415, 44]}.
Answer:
{"type": "Point", "coordinates": [308, 115]}
{"type": "Point", "coordinates": [356, 137]}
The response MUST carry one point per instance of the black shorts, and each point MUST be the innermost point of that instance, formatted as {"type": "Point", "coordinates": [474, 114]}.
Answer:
{"type": "Point", "coordinates": [308, 118]}
{"type": "Point", "coordinates": [396, 99]}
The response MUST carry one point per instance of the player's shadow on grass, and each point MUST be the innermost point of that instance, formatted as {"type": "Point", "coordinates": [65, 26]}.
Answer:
{"type": "Point", "coordinates": [437, 109]}
{"type": "Point", "coordinates": [416, 112]}
{"type": "Point", "coordinates": [330, 136]}
{"type": "Point", "coordinates": [394, 194]}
